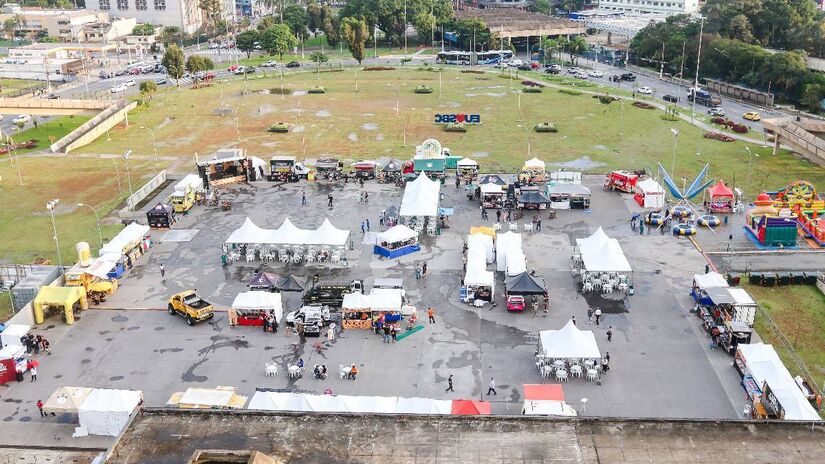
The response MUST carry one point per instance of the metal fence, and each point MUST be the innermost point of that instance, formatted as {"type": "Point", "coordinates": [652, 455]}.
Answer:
{"type": "Point", "coordinates": [34, 88]}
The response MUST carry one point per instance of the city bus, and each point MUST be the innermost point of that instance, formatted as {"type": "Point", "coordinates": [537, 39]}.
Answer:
{"type": "Point", "coordinates": [488, 57]}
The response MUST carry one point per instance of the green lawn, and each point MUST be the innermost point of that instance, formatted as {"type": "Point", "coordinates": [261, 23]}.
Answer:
{"type": "Point", "coordinates": [799, 311]}
{"type": "Point", "coordinates": [12, 85]}
{"type": "Point", "coordinates": [5, 306]}
{"type": "Point", "coordinates": [47, 131]}
{"type": "Point", "coordinates": [364, 124]}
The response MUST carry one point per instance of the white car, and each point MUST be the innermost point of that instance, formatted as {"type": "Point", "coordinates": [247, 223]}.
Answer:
{"type": "Point", "coordinates": [515, 63]}
{"type": "Point", "coordinates": [574, 70]}
{"type": "Point", "coordinates": [22, 119]}
{"type": "Point", "coordinates": [240, 70]}
{"type": "Point", "coordinates": [118, 88]}
{"type": "Point", "coordinates": [130, 83]}
{"type": "Point", "coordinates": [645, 90]}
{"type": "Point", "coordinates": [269, 64]}
{"type": "Point", "coordinates": [595, 74]}
{"type": "Point", "coordinates": [213, 46]}
{"type": "Point", "coordinates": [580, 75]}
{"type": "Point", "coordinates": [716, 111]}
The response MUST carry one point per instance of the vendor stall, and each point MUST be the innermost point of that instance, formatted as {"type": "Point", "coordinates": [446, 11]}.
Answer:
{"type": "Point", "coordinates": [227, 166]}
{"type": "Point", "coordinates": [533, 171]}
{"type": "Point", "coordinates": [731, 303]}
{"type": "Point", "coordinates": [106, 412]}
{"type": "Point", "coordinates": [356, 311]}
{"type": "Point", "coordinates": [207, 398]}
{"type": "Point", "coordinates": [649, 194]}
{"type": "Point", "coordinates": [396, 241]}
{"type": "Point", "coordinates": [507, 244]}
{"type": "Point", "coordinates": [525, 284]}
{"type": "Point", "coordinates": [470, 408]}
{"type": "Point", "coordinates": [568, 196]}
{"type": "Point", "coordinates": [719, 198]}
{"type": "Point", "coordinates": [161, 216]}
{"type": "Point", "coordinates": [479, 283]}
{"type": "Point", "coordinates": [568, 343]}
{"type": "Point", "coordinates": [602, 265]}
{"type": "Point", "coordinates": [532, 199]}
{"type": "Point", "coordinates": [66, 400]}
{"type": "Point", "coordinates": [390, 172]}
{"type": "Point", "coordinates": [329, 169]}
{"type": "Point", "coordinates": [419, 205]}
{"type": "Point", "coordinates": [263, 281]}
{"type": "Point", "coordinates": [467, 170]}
{"type": "Point", "coordinates": [64, 298]}
{"type": "Point", "coordinates": [365, 169]}
{"type": "Point", "coordinates": [623, 181]}
{"type": "Point", "coordinates": [290, 283]}
{"type": "Point", "coordinates": [492, 196]}
{"type": "Point", "coordinates": [705, 281]}
{"type": "Point", "coordinates": [287, 244]}
{"type": "Point", "coordinates": [483, 241]}
{"type": "Point", "coordinates": [130, 243]}
{"type": "Point", "coordinates": [565, 177]}
{"type": "Point", "coordinates": [253, 307]}
{"type": "Point", "coordinates": [493, 179]}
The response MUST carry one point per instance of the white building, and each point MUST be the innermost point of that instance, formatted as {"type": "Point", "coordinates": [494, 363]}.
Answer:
{"type": "Point", "coordinates": [62, 24]}
{"type": "Point", "coordinates": [665, 7]}
{"type": "Point", "coordinates": [184, 14]}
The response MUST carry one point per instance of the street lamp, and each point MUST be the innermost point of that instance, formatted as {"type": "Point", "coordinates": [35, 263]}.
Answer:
{"type": "Point", "coordinates": [128, 174]}
{"type": "Point", "coordinates": [675, 138]}
{"type": "Point", "coordinates": [154, 143]}
{"type": "Point", "coordinates": [97, 221]}
{"type": "Point", "coordinates": [529, 150]}
{"type": "Point", "coordinates": [50, 206]}
{"type": "Point", "coordinates": [750, 163]}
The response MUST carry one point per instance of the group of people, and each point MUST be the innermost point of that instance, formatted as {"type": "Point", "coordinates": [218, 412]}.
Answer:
{"type": "Point", "coordinates": [35, 344]}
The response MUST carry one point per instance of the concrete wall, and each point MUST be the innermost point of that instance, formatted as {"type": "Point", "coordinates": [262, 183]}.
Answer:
{"type": "Point", "coordinates": [146, 190]}
{"type": "Point", "coordinates": [95, 127]}
{"type": "Point", "coordinates": [740, 93]}
{"type": "Point", "coordinates": [52, 107]}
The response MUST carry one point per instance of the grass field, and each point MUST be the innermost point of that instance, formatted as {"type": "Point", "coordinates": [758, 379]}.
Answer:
{"type": "Point", "coordinates": [799, 311]}
{"type": "Point", "coordinates": [11, 85]}
{"type": "Point", "coordinates": [5, 306]}
{"type": "Point", "coordinates": [25, 224]}
{"type": "Point", "coordinates": [364, 124]}
{"type": "Point", "coordinates": [47, 132]}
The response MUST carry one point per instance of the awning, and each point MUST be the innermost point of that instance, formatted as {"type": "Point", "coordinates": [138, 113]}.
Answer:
{"type": "Point", "coordinates": [492, 179]}
{"type": "Point", "coordinates": [263, 279]}
{"type": "Point", "coordinates": [259, 301]}
{"type": "Point", "coordinates": [66, 400]}
{"type": "Point", "coordinates": [290, 283]}
{"type": "Point", "coordinates": [467, 163]}
{"type": "Point", "coordinates": [525, 284]}
{"type": "Point", "coordinates": [532, 196]}
{"type": "Point", "coordinates": [569, 342]}
{"type": "Point", "coordinates": [720, 190]}
{"type": "Point", "coordinates": [601, 253]}
{"type": "Point", "coordinates": [357, 301]}
{"type": "Point", "coordinates": [130, 236]}
{"type": "Point", "coordinates": [568, 189]}
{"type": "Point", "coordinates": [470, 408]}
{"type": "Point", "coordinates": [709, 280]}
{"type": "Point", "coordinates": [543, 392]}
{"type": "Point", "coordinates": [491, 188]}
{"type": "Point", "coordinates": [396, 234]}
{"type": "Point", "coordinates": [392, 166]}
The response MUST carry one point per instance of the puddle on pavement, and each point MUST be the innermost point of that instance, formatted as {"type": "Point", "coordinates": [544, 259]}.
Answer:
{"type": "Point", "coordinates": [168, 350]}
{"type": "Point", "coordinates": [119, 319]}
{"type": "Point", "coordinates": [85, 361]}
{"type": "Point", "coordinates": [116, 377]}
{"type": "Point", "coordinates": [607, 304]}
{"type": "Point", "coordinates": [89, 349]}
{"type": "Point", "coordinates": [190, 376]}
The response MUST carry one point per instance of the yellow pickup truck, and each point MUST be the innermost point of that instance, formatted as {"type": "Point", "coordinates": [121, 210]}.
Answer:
{"type": "Point", "coordinates": [192, 307]}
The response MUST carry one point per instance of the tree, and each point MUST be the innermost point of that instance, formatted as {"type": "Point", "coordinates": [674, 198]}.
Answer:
{"type": "Point", "coordinates": [296, 17]}
{"type": "Point", "coordinates": [245, 41]}
{"type": "Point", "coordinates": [551, 46]}
{"type": "Point", "coordinates": [355, 33]}
{"type": "Point", "coordinates": [211, 13]}
{"type": "Point", "coordinates": [315, 17]}
{"type": "Point", "coordinates": [331, 25]}
{"type": "Point", "coordinates": [277, 40]}
{"type": "Point", "coordinates": [318, 58]}
{"type": "Point", "coordinates": [543, 7]}
{"type": "Point", "coordinates": [143, 29]}
{"type": "Point", "coordinates": [471, 32]}
{"type": "Point", "coordinates": [813, 97]}
{"type": "Point", "coordinates": [785, 69]}
{"type": "Point", "coordinates": [173, 61]}
{"type": "Point", "coordinates": [740, 28]}
{"type": "Point", "coordinates": [148, 88]}
{"type": "Point", "coordinates": [171, 34]}
{"type": "Point", "coordinates": [197, 63]}
{"type": "Point", "coordinates": [575, 46]}
{"type": "Point", "coordinates": [266, 22]}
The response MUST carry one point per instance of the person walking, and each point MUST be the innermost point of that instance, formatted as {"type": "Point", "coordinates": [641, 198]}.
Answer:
{"type": "Point", "coordinates": [331, 333]}
{"type": "Point", "coordinates": [162, 271]}
{"type": "Point", "coordinates": [498, 215]}
{"type": "Point", "coordinates": [363, 228]}
{"type": "Point", "coordinates": [40, 408]}
{"type": "Point", "coordinates": [424, 269]}
{"type": "Point", "coordinates": [33, 372]}
{"type": "Point", "coordinates": [573, 318]}
{"type": "Point", "coordinates": [417, 272]}
{"type": "Point", "coordinates": [46, 345]}
{"type": "Point", "coordinates": [491, 387]}
{"type": "Point", "coordinates": [598, 315]}
{"type": "Point", "coordinates": [610, 333]}
{"type": "Point", "coordinates": [265, 317]}
{"type": "Point", "coordinates": [232, 315]}
{"type": "Point", "coordinates": [449, 384]}
{"type": "Point", "coordinates": [381, 219]}
{"type": "Point", "coordinates": [606, 362]}
{"type": "Point", "coordinates": [589, 315]}
{"type": "Point", "coordinates": [366, 197]}
{"type": "Point", "coordinates": [394, 333]}
{"type": "Point", "coordinates": [431, 314]}
{"type": "Point", "coordinates": [273, 323]}
{"type": "Point", "coordinates": [538, 225]}
{"type": "Point", "coordinates": [386, 333]}
{"type": "Point", "coordinates": [303, 199]}
{"type": "Point", "coordinates": [329, 200]}
{"type": "Point", "coordinates": [368, 224]}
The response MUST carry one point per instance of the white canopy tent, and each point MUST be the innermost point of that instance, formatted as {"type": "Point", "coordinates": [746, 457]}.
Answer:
{"type": "Point", "coordinates": [302, 402]}
{"type": "Point", "coordinates": [259, 301]}
{"type": "Point", "coordinates": [477, 274]}
{"type": "Point", "coordinates": [482, 241]}
{"type": "Point", "coordinates": [421, 197]}
{"type": "Point", "coordinates": [248, 232]}
{"type": "Point", "coordinates": [467, 163]}
{"type": "Point", "coordinates": [535, 164]}
{"type": "Point", "coordinates": [356, 300]}
{"type": "Point", "coordinates": [106, 412]}
{"type": "Point", "coordinates": [491, 189]}
{"type": "Point", "coordinates": [396, 234]}
{"type": "Point", "coordinates": [568, 343]}
{"type": "Point", "coordinates": [650, 194]}
{"type": "Point", "coordinates": [126, 239]}
{"type": "Point", "coordinates": [709, 280]}
{"type": "Point", "coordinates": [600, 253]}
{"type": "Point", "coordinates": [507, 243]}
{"type": "Point", "coordinates": [288, 234]}
{"type": "Point", "coordinates": [423, 406]}
{"type": "Point", "coordinates": [516, 263]}
{"type": "Point", "coordinates": [328, 234]}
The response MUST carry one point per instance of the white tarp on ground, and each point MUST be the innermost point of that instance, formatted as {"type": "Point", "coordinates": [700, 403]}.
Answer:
{"type": "Point", "coordinates": [484, 242]}
{"type": "Point", "coordinates": [265, 301]}
{"type": "Point", "coordinates": [421, 197]}
{"type": "Point", "coordinates": [506, 243]}
{"type": "Point", "coordinates": [764, 365]}
{"type": "Point", "coordinates": [709, 280]}
{"type": "Point", "coordinates": [106, 412]}
{"type": "Point", "coordinates": [569, 342]}
{"type": "Point", "coordinates": [654, 194]}
{"type": "Point", "coordinates": [133, 233]}
{"type": "Point", "coordinates": [601, 253]}
{"type": "Point", "coordinates": [396, 234]}
{"type": "Point", "coordinates": [288, 234]}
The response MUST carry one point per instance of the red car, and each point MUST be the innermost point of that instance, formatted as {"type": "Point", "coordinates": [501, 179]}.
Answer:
{"type": "Point", "coordinates": [232, 68]}
{"type": "Point", "coordinates": [535, 64]}
{"type": "Point", "coordinates": [515, 303]}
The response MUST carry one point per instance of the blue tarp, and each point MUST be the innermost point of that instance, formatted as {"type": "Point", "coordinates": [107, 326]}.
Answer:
{"type": "Point", "coordinates": [446, 211]}
{"type": "Point", "coordinates": [696, 187]}
{"type": "Point", "coordinates": [396, 253]}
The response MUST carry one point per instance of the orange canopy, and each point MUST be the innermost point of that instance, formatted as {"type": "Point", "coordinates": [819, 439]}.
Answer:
{"type": "Point", "coordinates": [720, 190]}
{"type": "Point", "coordinates": [543, 392]}
{"type": "Point", "coordinates": [470, 408]}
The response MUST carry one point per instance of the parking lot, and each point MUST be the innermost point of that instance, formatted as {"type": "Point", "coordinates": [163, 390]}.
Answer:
{"type": "Point", "coordinates": [661, 364]}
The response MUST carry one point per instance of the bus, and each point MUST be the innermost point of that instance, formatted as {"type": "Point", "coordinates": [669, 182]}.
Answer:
{"type": "Point", "coordinates": [488, 57]}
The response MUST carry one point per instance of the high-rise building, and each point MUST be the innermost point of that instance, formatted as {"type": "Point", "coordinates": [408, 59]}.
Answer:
{"type": "Point", "coordinates": [185, 14]}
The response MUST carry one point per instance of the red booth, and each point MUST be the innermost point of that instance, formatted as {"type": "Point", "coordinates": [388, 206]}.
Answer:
{"type": "Point", "coordinates": [622, 181]}
{"type": "Point", "coordinates": [720, 198]}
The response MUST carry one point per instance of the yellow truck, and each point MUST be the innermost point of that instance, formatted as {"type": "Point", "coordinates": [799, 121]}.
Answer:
{"type": "Point", "coordinates": [192, 307]}
{"type": "Point", "coordinates": [183, 198]}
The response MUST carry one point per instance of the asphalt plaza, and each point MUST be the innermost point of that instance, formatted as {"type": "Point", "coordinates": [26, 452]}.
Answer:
{"type": "Point", "coordinates": [661, 364]}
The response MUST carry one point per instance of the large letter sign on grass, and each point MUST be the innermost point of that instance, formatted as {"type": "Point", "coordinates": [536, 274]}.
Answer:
{"type": "Point", "coordinates": [458, 118]}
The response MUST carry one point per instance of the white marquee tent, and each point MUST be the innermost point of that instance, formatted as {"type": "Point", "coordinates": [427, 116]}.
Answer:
{"type": "Point", "coordinates": [396, 234]}
{"type": "Point", "coordinates": [506, 244]}
{"type": "Point", "coordinates": [477, 274]}
{"type": "Point", "coordinates": [600, 253]}
{"type": "Point", "coordinates": [568, 343]}
{"type": "Point", "coordinates": [302, 402]}
{"type": "Point", "coordinates": [288, 234]}
{"type": "Point", "coordinates": [709, 280]}
{"type": "Point", "coordinates": [516, 263]}
{"type": "Point", "coordinates": [127, 238]}
{"type": "Point", "coordinates": [106, 412]}
{"type": "Point", "coordinates": [652, 194]}
{"type": "Point", "coordinates": [467, 163]}
{"type": "Point", "coordinates": [421, 197]}
{"type": "Point", "coordinates": [484, 242]}
{"type": "Point", "coordinates": [534, 163]}
{"type": "Point", "coordinates": [265, 301]}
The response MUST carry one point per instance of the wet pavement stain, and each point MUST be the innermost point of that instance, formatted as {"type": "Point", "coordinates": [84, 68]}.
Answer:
{"type": "Point", "coordinates": [109, 339]}
{"type": "Point", "coordinates": [25, 419]}
{"type": "Point", "coordinates": [89, 349]}
{"type": "Point", "coordinates": [607, 305]}
{"type": "Point", "coordinates": [116, 377]}
{"type": "Point", "coordinates": [85, 361]}
{"type": "Point", "coordinates": [158, 329]}
{"type": "Point", "coordinates": [168, 350]}
{"type": "Point", "coordinates": [190, 376]}
{"type": "Point", "coordinates": [119, 319]}
{"type": "Point", "coordinates": [51, 326]}
{"type": "Point", "coordinates": [8, 419]}
{"type": "Point", "coordinates": [133, 328]}
{"type": "Point", "coordinates": [104, 332]}
{"type": "Point", "coordinates": [12, 400]}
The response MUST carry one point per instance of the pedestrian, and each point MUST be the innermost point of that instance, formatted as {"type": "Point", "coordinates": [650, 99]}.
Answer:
{"type": "Point", "coordinates": [366, 197]}
{"type": "Point", "coordinates": [424, 269]}
{"type": "Point", "coordinates": [457, 182]}
{"type": "Point", "coordinates": [573, 318]}
{"type": "Point", "coordinates": [483, 212]}
{"type": "Point", "coordinates": [394, 333]}
{"type": "Point", "coordinates": [35, 123]}
{"type": "Point", "coordinates": [232, 315]}
{"type": "Point", "coordinates": [538, 225]}
{"type": "Point", "coordinates": [417, 272]}
{"type": "Point", "coordinates": [35, 342]}
{"type": "Point", "coordinates": [449, 384]}
{"type": "Point", "coordinates": [606, 362]}
{"type": "Point", "coordinates": [265, 318]}
{"type": "Point", "coordinates": [431, 314]}
{"type": "Point", "coordinates": [707, 268]}
{"type": "Point", "coordinates": [273, 323]}
{"type": "Point", "coordinates": [303, 199]}
{"type": "Point", "coordinates": [162, 271]}
{"type": "Point", "coordinates": [33, 372]}
{"type": "Point", "coordinates": [598, 315]}
{"type": "Point", "coordinates": [491, 387]}
{"type": "Point", "coordinates": [546, 302]}
{"type": "Point", "coordinates": [40, 408]}
{"type": "Point", "coordinates": [641, 228]}
{"type": "Point", "coordinates": [590, 315]}
{"type": "Point", "coordinates": [46, 346]}
{"type": "Point", "coordinates": [363, 227]}
{"type": "Point", "coordinates": [386, 333]}
{"type": "Point", "coordinates": [331, 333]}
{"type": "Point", "coordinates": [381, 219]}
{"type": "Point", "coordinates": [498, 215]}
{"type": "Point", "coordinates": [329, 200]}
{"type": "Point", "coordinates": [368, 224]}
{"type": "Point", "coordinates": [610, 333]}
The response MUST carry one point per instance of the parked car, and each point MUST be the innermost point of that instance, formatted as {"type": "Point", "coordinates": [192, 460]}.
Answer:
{"type": "Point", "coordinates": [232, 68]}
{"type": "Point", "coordinates": [670, 98]}
{"type": "Point", "coordinates": [573, 70]}
{"type": "Point", "coordinates": [214, 46]}
{"type": "Point", "coordinates": [525, 67]}
{"type": "Point", "coordinates": [121, 72]}
{"type": "Point", "coordinates": [629, 77]}
{"type": "Point", "coordinates": [22, 119]}
{"type": "Point", "coordinates": [148, 69]}
{"type": "Point", "coordinates": [552, 70]}
{"type": "Point", "coordinates": [130, 83]}
{"type": "Point", "coordinates": [752, 116]}
{"type": "Point", "coordinates": [52, 96]}
{"type": "Point", "coordinates": [118, 89]}
{"type": "Point", "coordinates": [249, 70]}
{"type": "Point", "coordinates": [716, 111]}
{"type": "Point", "coordinates": [645, 90]}
{"type": "Point", "coordinates": [502, 65]}
{"type": "Point", "coordinates": [615, 78]}
{"type": "Point", "coordinates": [515, 63]}
{"type": "Point", "coordinates": [160, 81]}
{"type": "Point", "coordinates": [580, 75]}
{"type": "Point", "coordinates": [269, 64]}
{"type": "Point", "coordinates": [293, 64]}
{"type": "Point", "coordinates": [535, 64]}
{"type": "Point", "coordinates": [595, 73]}
{"type": "Point", "coordinates": [105, 75]}
{"type": "Point", "coordinates": [134, 71]}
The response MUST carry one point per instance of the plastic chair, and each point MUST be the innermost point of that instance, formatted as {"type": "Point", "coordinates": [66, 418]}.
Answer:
{"type": "Point", "coordinates": [271, 369]}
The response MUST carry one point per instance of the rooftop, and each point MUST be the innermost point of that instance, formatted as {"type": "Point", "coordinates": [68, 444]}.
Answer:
{"type": "Point", "coordinates": [507, 20]}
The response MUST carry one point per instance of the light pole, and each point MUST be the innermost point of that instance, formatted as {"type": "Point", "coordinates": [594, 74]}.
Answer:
{"type": "Point", "coordinates": [154, 143]}
{"type": "Point", "coordinates": [50, 206]}
{"type": "Point", "coordinates": [529, 148]}
{"type": "Point", "coordinates": [698, 60]}
{"type": "Point", "coordinates": [675, 138]}
{"type": "Point", "coordinates": [750, 163]}
{"type": "Point", "coordinates": [128, 175]}
{"type": "Point", "coordinates": [97, 221]}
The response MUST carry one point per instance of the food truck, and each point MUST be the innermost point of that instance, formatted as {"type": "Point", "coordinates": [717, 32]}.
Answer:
{"type": "Point", "coordinates": [183, 197]}
{"type": "Point", "coordinates": [623, 181]}
{"type": "Point", "coordinates": [286, 169]}
{"type": "Point", "coordinates": [227, 166]}
{"type": "Point", "coordinates": [329, 168]}
{"type": "Point", "coordinates": [365, 169]}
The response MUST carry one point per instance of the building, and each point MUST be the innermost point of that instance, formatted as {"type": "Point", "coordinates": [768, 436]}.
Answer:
{"type": "Point", "coordinates": [665, 7]}
{"type": "Point", "coordinates": [185, 14]}
{"type": "Point", "coordinates": [62, 24]}
{"type": "Point", "coordinates": [110, 31]}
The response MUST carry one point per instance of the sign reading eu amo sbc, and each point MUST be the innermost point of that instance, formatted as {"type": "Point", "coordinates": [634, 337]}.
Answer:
{"type": "Point", "coordinates": [458, 118]}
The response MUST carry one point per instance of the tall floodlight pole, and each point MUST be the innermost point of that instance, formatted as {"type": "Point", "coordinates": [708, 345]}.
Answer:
{"type": "Point", "coordinates": [50, 206]}
{"type": "Point", "coordinates": [675, 138]}
{"type": "Point", "coordinates": [698, 59]}
{"type": "Point", "coordinates": [97, 221]}
{"type": "Point", "coordinates": [128, 174]}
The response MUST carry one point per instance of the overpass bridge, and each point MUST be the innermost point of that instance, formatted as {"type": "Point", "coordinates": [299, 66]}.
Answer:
{"type": "Point", "coordinates": [52, 107]}
{"type": "Point", "coordinates": [805, 137]}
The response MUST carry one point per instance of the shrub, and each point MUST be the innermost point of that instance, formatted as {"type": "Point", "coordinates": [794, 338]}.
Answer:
{"type": "Point", "coordinates": [279, 91]}
{"type": "Point", "coordinates": [472, 71]}
{"type": "Point", "coordinates": [455, 127]}
{"type": "Point", "coordinates": [317, 89]}
{"type": "Point", "coordinates": [605, 99]}
{"type": "Point", "coordinates": [718, 136]}
{"type": "Point", "coordinates": [423, 89]}
{"type": "Point", "coordinates": [531, 90]}
{"type": "Point", "coordinates": [279, 127]}
{"type": "Point", "coordinates": [531, 83]}
{"type": "Point", "coordinates": [643, 105]}
{"type": "Point", "coordinates": [669, 117]}
{"type": "Point", "coordinates": [379, 68]}
{"type": "Point", "coordinates": [570, 91]}
{"type": "Point", "coordinates": [740, 128]}
{"type": "Point", "coordinates": [545, 127]}
{"type": "Point", "coordinates": [718, 120]}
